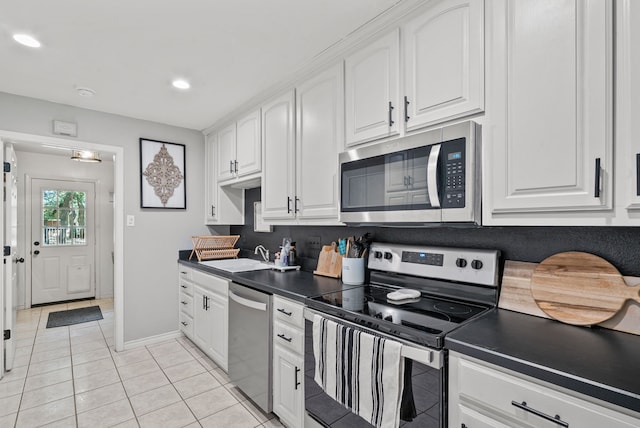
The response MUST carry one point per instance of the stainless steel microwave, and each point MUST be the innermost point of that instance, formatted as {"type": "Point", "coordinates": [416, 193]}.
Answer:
{"type": "Point", "coordinates": [432, 177]}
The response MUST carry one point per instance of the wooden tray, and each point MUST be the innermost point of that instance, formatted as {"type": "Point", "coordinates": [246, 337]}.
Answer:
{"type": "Point", "coordinates": [516, 295]}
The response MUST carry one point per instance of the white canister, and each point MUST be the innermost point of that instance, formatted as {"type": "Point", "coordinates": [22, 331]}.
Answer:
{"type": "Point", "coordinates": [352, 271]}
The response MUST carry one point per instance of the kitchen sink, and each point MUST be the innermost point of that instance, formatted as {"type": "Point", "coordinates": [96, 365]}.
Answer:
{"type": "Point", "coordinates": [238, 265]}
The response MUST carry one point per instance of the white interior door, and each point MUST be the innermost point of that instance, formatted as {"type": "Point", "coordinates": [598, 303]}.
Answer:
{"type": "Point", "coordinates": [62, 240]}
{"type": "Point", "coordinates": [10, 259]}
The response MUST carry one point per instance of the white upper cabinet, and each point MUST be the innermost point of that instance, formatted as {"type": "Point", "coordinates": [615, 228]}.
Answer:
{"type": "Point", "coordinates": [210, 182]}
{"type": "Point", "coordinates": [300, 170]}
{"type": "Point", "coordinates": [319, 130]}
{"type": "Point", "coordinates": [226, 152]}
{"type": "Point", "coordinates": [628, 111]}
{"type": "Point", "coordinates": [444, 63]}
{"type": "Point", "coordinates": [248, 145]}
{"type": "Point", "coordinates": [372, 85]}
{"type": "Point", "coordinates": [239, 148]}
{"type": "Point", "coordinates": [548, 130]}
{"type": "Point", "coordinates": [278, 162]}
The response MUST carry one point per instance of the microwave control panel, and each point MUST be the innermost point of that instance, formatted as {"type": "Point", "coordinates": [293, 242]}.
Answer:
{"type": "Point", "coordinates": [453, 164]}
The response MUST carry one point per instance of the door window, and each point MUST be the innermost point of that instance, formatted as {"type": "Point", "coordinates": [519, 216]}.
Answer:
{"type": "Point", "coordinates": [63, 218]}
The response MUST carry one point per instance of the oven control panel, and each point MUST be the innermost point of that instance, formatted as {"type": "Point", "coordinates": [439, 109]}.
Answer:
{"type": "Point", "coordinates": [474, 266]}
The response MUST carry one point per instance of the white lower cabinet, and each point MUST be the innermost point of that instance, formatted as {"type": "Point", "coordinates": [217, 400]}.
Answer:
{"type": "Point", "coordinates": [204, 317]}
{"type": "Point", "coordinates": [288, 362]}
{"type": "Point", "coordinates": [484, 395]}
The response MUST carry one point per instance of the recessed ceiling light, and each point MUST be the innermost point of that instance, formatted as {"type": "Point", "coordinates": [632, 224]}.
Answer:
{"type": "Point", "coordinates": [27, 40]}
{"type": "Point", "coordinates": [181, 84]}
{"type": "Point", "coordinates": [85, 92]}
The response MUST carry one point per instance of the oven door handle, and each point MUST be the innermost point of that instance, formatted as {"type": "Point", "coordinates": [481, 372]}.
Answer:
{"type": "Point", "coordinates": [429, 357]}
{"type": "Point", "coordinates": [432, 176]}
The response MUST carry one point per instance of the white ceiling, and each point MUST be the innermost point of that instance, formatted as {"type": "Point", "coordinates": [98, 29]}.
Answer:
{"type": "Point", "coordinates": [129, 51]}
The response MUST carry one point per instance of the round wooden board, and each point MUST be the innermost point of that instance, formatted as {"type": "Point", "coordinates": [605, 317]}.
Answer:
{"type": "Point", "coordinates": [579, 288]}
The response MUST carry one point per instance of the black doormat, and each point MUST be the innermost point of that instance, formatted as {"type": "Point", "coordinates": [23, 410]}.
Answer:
{"type": "Point", "coordinates": [74, 316]}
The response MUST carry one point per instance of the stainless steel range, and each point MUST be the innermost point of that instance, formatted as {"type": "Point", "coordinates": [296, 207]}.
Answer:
{"type": "Point", "coordinates": [415, 295]}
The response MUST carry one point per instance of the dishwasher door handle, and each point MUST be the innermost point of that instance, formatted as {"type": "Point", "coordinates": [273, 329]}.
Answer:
{"type": "Point", "coordinates": [246, 302]}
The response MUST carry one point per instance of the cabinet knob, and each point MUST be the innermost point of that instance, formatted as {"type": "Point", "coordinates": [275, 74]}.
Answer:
{"type": "Point", "coordinates": [184, 323]}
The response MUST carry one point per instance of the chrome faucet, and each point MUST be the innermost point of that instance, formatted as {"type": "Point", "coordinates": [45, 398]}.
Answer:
{"type": "Point", "coordinates": [263, 252]}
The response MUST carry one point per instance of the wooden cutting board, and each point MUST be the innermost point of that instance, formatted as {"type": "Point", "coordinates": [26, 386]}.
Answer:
{"type": "Point", "coordinates": [329, 262]}
{"type": "Point", "coordinates": [580, 288]}
{"type": "Point", "coordinates": [515, 295]}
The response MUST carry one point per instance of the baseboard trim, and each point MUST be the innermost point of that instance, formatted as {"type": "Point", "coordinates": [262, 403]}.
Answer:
{"type": "Point", "coordinates": [151, 340]}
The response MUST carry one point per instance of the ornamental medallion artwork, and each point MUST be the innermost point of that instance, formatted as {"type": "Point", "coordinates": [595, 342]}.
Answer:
{"type": "Point", "coordinates": [163, 175]}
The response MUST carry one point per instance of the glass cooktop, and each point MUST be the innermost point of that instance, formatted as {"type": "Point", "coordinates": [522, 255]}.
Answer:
{"type": "Point", "coordinates": [425, 319]}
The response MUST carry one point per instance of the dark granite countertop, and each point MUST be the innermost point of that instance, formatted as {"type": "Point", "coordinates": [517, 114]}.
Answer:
{"type": "Point", "coordinates": [597, 362]}
{"type": "Point", "coordinates": [295, 285]}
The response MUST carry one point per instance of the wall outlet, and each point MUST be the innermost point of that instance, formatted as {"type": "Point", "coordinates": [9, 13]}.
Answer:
{"type": "Point", "coordinates": [314, 242]}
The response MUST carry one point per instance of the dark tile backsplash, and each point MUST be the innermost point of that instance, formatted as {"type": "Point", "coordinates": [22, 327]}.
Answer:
{"type": "Point", "coordinates": [618, 245]}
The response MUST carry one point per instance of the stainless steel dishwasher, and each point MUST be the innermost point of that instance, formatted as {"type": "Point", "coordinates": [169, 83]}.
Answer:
{"type": "Point", "coordinates": [250, 343]}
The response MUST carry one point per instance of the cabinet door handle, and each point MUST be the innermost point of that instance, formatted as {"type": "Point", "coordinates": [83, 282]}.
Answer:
{"type": "Point", "coordinates": [207, 297]}
{"type": "Point", "coordinates": [230, 167]}
{"type": "Point", "coordinates": [637, 174]}
{"type": "Point", "coordinates": [406, 109]}
{"type": "Point", "coordinates": [553, 419]}
{"type": "Point", "coordinates": [284, 312]}
{"type": "Point", "coordinates": [283, 337]}
{"type": "Point", "coordinates": [213, 210]}
{"type": "Point", "coordinates": [236, 166]}
{"type": "Point", "coordinates": [288, 205]}
{"type": "Point", "coordinates": [391, 122]}
{"type": "Point", "coordinates": [184, 323]}
{"type": "Point", "coordinates": [596, 192]}
{"type": "Point", "coordinates": [204, 303]}
{"type": "Point", "coordinates": [295, 205]}
{"type": "Point", "coordinates": [296, 378]}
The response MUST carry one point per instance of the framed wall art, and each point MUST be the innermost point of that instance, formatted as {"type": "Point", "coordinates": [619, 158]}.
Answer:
{"type": "Point", "coordinates": [162, 175]}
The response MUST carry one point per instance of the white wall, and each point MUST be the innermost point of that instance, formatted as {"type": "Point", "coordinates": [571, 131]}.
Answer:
{"type": "Point", "coordinates": [36, 165]}
{"type": "Point", "coordinates": [150, 248]}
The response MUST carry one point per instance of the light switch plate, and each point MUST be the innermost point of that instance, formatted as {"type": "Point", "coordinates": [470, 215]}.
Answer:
{"type": "Point", "coordinates": [131, 220]}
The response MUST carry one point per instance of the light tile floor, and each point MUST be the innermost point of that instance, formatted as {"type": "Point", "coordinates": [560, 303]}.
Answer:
{"type": "Point", "coordinates": [72, 377]}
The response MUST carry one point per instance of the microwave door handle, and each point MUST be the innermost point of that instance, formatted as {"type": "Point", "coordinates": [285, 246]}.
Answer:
{"type": "Point", "coordinates": [432, 176]}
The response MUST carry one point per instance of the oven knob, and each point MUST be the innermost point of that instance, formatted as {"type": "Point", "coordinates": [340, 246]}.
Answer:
{"type": "Point", "coordinates": [377, 255]}
{"type": "Point", "coordinates": [389, 318]}
{"type": "Point", "coordinates": [388, 255]}
{"type": "Point", "coordinates": [461, 263]}
{"type": "Point", "coordinates": [476, 264]}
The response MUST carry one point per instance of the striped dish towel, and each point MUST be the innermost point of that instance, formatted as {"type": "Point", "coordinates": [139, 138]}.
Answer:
{"type": "Point", "coordinates": [359, 370]}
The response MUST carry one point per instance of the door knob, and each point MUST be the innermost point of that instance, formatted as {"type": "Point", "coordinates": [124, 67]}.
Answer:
{"type": "Point", "coordinates": [36, 252]}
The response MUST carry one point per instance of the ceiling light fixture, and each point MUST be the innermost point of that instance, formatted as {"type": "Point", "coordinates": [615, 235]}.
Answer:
{"type": "Point", "coordinates": [26, 40]}
{"type": "Point", "coordinates": [85, 156]}
{"type": "Point", "coordinates": [181, 84]}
